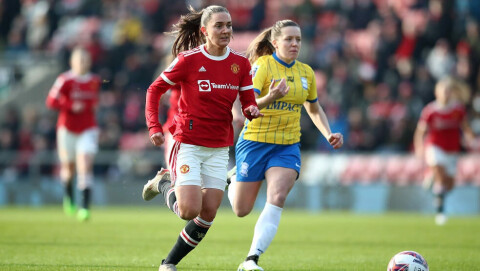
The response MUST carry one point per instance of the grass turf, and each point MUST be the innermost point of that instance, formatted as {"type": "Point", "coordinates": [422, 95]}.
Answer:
{"type": "Point", "coordinates": [137, 238]}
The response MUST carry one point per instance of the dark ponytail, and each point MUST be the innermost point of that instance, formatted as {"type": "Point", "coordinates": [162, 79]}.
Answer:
{"type": "Point", "coordinates": [188, 31]}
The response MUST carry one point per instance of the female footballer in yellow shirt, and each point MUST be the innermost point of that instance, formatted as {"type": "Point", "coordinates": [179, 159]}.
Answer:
{"type": "Point", "coordinates": [268, 147]}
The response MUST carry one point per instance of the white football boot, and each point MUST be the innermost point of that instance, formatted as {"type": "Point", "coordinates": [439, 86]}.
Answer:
{"type": "Point", "coordinates": [230, 174]}
{"type": "Point", "coordinates": [150, 190]}
{"type": "Point", "coordinates": [440, 219]}
{"type": "Point", "coordinates": [249, 265]}
{"type": "Point", "coordinates": [167, 267]}
{"type": "Point", "coordinates": [427, 183]}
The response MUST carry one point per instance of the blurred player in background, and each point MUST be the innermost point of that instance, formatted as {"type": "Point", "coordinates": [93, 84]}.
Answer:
{"type": "Point", "coordinates": [211, 76]}
{"type": "Point", "coordinates": [437, 139]}
{"type": "Point", "coordinates": [174, 96]}
{"type": "Point", "coordinates": [75, 96]}
{"type": "Point", "coordinates": [268, 147]}
{"type": "Point", "coordinates": [170, 99]}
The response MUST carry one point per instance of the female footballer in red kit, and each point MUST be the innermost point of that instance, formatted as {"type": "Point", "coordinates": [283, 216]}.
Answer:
{"type": "Point", "coordinates": [211, 76]}
{"type": "Point", "coordinates": [437, 139]}
{"type": "Point", "coordinates": [75, 95]}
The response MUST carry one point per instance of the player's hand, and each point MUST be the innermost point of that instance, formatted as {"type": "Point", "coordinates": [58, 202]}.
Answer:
{"type": "Point", "coordinates": [78, 107]}
{"type": "Point", "coordinates": [278, 91]}
{"type": "Point", "coordinates": [157, 139]}
{"type": "Point", "coordinates": [252, 112]}
{"type": "Point", "coordinates": [335, 140]}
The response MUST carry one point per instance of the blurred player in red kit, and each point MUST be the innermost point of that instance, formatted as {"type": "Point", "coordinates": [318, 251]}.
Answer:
{"type": "Point", "coordinates": [172, 110]}
{"type": "Point", "coordinates": [437, 139]}
{"type": "Point", "coordinates": [75, 96]}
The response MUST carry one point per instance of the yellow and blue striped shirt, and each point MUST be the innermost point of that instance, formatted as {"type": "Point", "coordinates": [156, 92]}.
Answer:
{"type": "Point", "coordinates": [281, 121]}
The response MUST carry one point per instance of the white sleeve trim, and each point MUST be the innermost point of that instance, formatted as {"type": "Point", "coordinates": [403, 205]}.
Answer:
{"type": "Point", "coordinates": [55, 90]}
{"type": "Point", "coordinates": [166, 79]}
{"type": "Point", "coordinates": [246, 88]}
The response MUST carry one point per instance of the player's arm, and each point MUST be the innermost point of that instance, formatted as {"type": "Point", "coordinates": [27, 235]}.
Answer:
{"type": "Point", "coordinates": [246, 95]}
{"type": "Point", "coordinates": [154, 92]}
{"type": "Point", "coordinates": [418, 138]}
{"type": "Point", "coordinates": [161, 85]}
{"type": "Point", "coordinates": [238, 117]}
{"type": "Point", "coordinates": [249, 105]}
{"type": "Point", "coordinates": [468, 133]}
{"type": "Point", "coordinates": [56, 98]}
{"type": "Point", "coordinates": [319, 118]}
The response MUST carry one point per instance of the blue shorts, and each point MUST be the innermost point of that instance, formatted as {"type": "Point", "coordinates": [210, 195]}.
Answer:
{"type": "Point", "coordinates": [254, 158]}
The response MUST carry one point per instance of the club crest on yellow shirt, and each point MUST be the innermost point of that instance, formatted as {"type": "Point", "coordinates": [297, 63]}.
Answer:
{"type": "Point", "coordinates": [235, 68]}
{"type": "Point", "coordinates": [304, 82]}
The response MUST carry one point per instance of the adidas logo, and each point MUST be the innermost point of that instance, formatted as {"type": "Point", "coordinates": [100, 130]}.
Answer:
{"type": "Point", "coordinates": [202, 69]}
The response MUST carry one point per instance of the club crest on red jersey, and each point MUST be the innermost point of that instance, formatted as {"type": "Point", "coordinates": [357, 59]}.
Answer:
{"type": "Point", "coordinates": [235, 68]}
{"type": "Point", "coordinates": [184, 169]}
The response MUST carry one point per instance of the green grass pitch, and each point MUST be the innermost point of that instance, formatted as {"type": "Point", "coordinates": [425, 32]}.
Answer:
{"type": "Point", "coordinates": [137, 238]}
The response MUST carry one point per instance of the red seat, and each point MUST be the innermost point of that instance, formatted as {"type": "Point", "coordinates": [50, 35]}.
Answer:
{"type": "Point", "coordinates": [414, 170]}
{"type": "Point", "coordinates": [374, 170]}
{"type": "Point", "coordinates": [134, 141]}
{"type": "Point", "coordinates": [363, 169]}
{"type": "Point", "coordinates": [352, 171]}
{"type": "Point", "coordinates": [394, 168]}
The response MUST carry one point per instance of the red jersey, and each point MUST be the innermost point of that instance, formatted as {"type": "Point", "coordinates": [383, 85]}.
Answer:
{"type": "Point", "coordinates": [69, 88]}
{"type": "Point", "coordinates": [173, 109]}
{"type": "Point", "coordinates": [209, 86]}
{"type": "Point", "coordinates": [443, 125]}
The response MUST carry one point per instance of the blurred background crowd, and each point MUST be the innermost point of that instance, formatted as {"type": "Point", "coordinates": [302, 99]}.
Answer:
{"type": "Point", "coordinates": [376, 63]}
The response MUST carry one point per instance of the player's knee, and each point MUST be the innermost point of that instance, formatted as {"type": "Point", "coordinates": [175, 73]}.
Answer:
{"type": "Point", "coordinates": [242, 211]}
{"type": "Point", "coordinates": [187, 213]}
{"type": "Point", "coordinates": [278, 199]}
{"type": "Point", "coordinates": [66, 174]}
{"type": "Point", "coordinates": [85, 180]}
